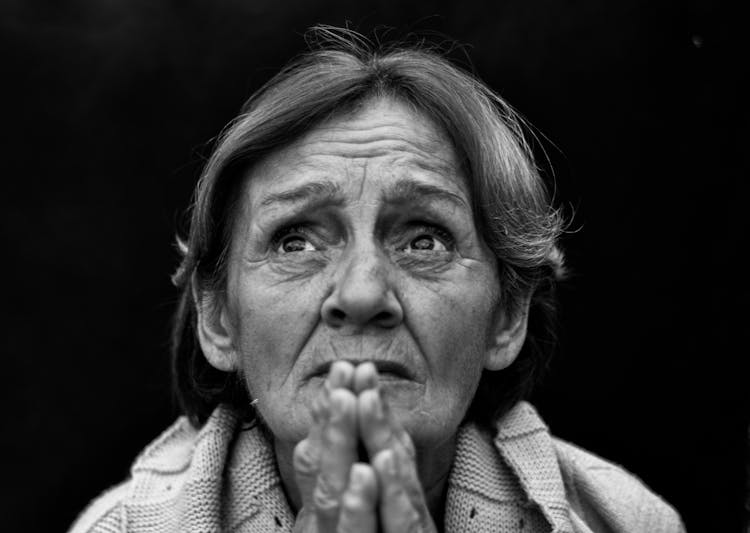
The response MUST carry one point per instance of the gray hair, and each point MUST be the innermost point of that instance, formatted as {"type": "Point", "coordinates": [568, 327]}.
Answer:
{"type": "Point", "coordinates": [512, 210]}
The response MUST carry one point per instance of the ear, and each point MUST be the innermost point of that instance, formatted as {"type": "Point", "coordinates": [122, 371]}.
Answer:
{"type": "Point", "coordinates": [507, 338]}
{"type": "Point", "coordinates": [215, 332]}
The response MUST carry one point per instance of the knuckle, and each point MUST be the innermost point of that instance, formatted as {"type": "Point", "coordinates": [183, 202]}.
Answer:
{"type": "Point", "coordinates": [354, 503]}
{"type": "Point", "coordinates": [415, 497]}
{"type": "Point", "coordinates": [413, 522]}
{"type": "Point", "coordinates": [404, 516]}
{"type": "Point", "coordinates": [337, 438]}
{"type": "Point", "coordinates": [305, 521]}
{"type": "Point", "coordinates": [305, 458]}
{"type": "Point", "coordinates": [325, 497]}
{"type": "Point", "coordinates": [410, 519]}
{"type": "Point", "coordinates": [320, 408]}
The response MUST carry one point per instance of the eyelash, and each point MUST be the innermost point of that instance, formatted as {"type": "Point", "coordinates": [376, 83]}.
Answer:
{"type": "Point", "coordinates": [441, 233]}
{"type": "Point", "coordinates": [280, 234]}
{"type": "Point", "coordinates": [415, 230]}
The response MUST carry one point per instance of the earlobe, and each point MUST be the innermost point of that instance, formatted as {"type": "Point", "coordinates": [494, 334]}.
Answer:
{"type": "Point", "coordinates": [215, 332]}
{"type": "Point", "coordinates": [507, 338]}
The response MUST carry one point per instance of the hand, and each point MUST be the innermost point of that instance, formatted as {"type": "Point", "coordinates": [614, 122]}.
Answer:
{"type": "Point", "coordinates": [341, 495]}
{"type": "Point", "coordinates": [337, 493]}
{"type": "Point", "coordinates": [401, 501]}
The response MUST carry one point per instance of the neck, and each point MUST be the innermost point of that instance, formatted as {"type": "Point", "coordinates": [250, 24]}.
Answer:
{"type": "Point", "coordinates": [433, 466]}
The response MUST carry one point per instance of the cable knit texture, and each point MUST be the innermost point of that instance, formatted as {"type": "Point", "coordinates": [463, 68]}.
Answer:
{"type": "Point", "coordinates": [223, 477]}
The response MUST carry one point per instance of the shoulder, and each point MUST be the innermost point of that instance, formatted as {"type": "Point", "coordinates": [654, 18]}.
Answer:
{"type": "Point", "coordinates": [605, 494]}
{"type": "Point", "coordinates": [170, 453]}
{"type": "Point", "coordinates": [104, 514]}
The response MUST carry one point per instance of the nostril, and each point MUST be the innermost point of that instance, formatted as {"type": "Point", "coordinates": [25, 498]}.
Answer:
{"type": "Point", "coordinates": [387, 319]}
{"type": "Point", "coordinates": [338, 315]}
{"type": "Point", "coordinates": [383, 316]}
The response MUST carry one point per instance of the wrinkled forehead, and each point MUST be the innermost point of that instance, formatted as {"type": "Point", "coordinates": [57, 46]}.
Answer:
{"type": "Point", "coordinates": [382, 143]}
{"type": "Point", "coordinates": [395, 124]}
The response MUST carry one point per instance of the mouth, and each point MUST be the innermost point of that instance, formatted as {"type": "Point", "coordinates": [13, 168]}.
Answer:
{"type": "Point", "coordinates": [387, 370]}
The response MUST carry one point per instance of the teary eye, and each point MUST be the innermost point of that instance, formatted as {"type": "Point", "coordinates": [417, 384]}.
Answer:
{"type": "Point", "coordinates": [292, 239]}
{"type": "Point", "coordinates": [295, 243]}
{"type": "Point", "coordinates": [429, 238]}
{"type": "Point", "coordinates": [427, 243]}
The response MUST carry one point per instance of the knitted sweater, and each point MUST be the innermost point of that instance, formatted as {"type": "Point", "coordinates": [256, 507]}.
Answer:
{"type": "Point", "coordinates": [223, 478]}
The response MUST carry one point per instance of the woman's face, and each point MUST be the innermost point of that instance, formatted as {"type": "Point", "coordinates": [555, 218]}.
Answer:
{"type": "Point", "coordinates": [358, 242]}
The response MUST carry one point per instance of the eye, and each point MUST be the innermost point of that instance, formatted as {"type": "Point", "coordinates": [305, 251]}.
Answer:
{"type": "Point", "coordinates": [295, 243]}
{"type": "Point", "coordinates": [429, 239]}
{"type": "Point", "coordinates": [427, 243]}
{"type": "Point", "coordinates": [292, 239]}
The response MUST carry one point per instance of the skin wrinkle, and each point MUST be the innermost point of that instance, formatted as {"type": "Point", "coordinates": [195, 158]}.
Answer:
{"type": "Point", "coordinates": [360, 249]}
{"type": "Point", "coordinates": [407, 320]}
{"type": "Point", "coordinates": [292, 276]}
{"type": "Point", "coordinates": [428, 151]}
{"type": "Point", "coordinates": [324, 193]}
{"type": "Point", "coordinates": [364, 179]}
{"type": "Point", "coordinates": [407, 191]}
{"type": "Point", "coordinates": [382, 132]}
{"type": "Point", "coordinates": [320, 194]}
{"type": "Point", "coordinates": [318, 191]}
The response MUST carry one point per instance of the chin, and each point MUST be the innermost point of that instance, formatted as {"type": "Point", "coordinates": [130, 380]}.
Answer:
{"type": "Point", "coordinates": [427, 429]}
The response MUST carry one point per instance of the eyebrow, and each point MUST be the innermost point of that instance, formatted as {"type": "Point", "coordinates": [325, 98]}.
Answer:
{"type": "Point", "coordinates": [317, 193]}
{"type": "Point", "coordinates": [409, 191]}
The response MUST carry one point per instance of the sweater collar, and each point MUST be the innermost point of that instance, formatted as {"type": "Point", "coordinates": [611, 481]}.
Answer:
{"type": "Point", "coordinates": [526, 446]}
{"type": "Point", "coordinates": [232, 481]}
{"type": "Point", "coordinates": [509, 481]}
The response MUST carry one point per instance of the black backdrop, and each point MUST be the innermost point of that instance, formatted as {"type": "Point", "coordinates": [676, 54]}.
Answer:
{"type": "Point", "coordinates": [108, 112]}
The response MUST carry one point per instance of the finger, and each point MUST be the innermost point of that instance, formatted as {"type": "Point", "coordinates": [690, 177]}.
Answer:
{"type": "Point", "coordinates": [306, 456]}
{"type": "Point", "coordinates": [365, 377]}
{"type": "Point", "coordinates": [378, 428]}
{"type": "Point", "coordinates": [340, 375]}
{"type": "Point", "coordinates": [393, 457]}
{"type": "Point", "coordinates": [306, 460]}
{"type": "Point", "coordinates": [307, 453]}
{"type": "Point", "coordinates": [337, 454]}
{"type": "Point", "coordinates": [402, 503]}
{"type": "Point", "coordinates": [358, 501]}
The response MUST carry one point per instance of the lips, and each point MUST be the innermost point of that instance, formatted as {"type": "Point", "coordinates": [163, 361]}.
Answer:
{"type": "Point", "coordinates": [386, 369]}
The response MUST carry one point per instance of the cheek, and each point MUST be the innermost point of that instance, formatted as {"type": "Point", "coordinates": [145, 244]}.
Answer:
{"type": "Point", "coordinates": [454, 331]}
{"type": "Point", "coordinates": [463, 354]}
{"type": "Point", "coordinates": [273, 323]}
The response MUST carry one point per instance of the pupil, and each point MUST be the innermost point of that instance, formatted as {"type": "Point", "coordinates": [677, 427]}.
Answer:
{"type": "Point", "coordinates": [295, 244]}
{"type": "Point", "coordinates": [423, 243]}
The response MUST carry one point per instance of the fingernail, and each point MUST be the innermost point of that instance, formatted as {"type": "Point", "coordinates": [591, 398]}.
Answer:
{"type": "Point", "coordinates": [333, 374]}
{"type": "Point", "coordinates": [378, 406]}
{"type": "Point", "coordinates": [356, 477]}
{"type": "Point", "coordinates": [337, 407]}
{"type": "Point", "coordinates": [390, 464]}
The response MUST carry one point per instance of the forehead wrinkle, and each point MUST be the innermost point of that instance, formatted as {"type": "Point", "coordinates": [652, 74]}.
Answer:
{"type": "Point", "coordinates": [407, 190]}
{"type": "Point", "coordinates": [352, 141]}
{"type": "Point", "coordinates": [353, 133]}
{"type": "Point", "coordinates": [315, 192]}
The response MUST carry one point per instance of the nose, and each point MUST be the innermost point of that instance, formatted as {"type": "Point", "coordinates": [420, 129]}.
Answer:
{"type": "Point", "coordinates": [362, 293]}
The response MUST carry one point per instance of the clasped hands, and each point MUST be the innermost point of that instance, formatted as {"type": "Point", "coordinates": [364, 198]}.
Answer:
{"type": "Point", "coordinates": [340, 494]}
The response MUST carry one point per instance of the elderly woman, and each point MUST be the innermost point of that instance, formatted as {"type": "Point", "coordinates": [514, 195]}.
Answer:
{"type": "Point", "coordinates": [366, 296]}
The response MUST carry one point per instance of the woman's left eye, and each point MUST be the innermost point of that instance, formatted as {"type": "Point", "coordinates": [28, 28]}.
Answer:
{"type": "Point", "coordinates": [429, 239]}
{"type": "Point", "coordinates": [427, 243]}
{"type": "Point", "coordinates": [295, 243]}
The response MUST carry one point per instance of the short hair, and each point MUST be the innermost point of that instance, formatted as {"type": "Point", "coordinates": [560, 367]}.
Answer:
{"type": "Point", "coordinates": [511, 205]}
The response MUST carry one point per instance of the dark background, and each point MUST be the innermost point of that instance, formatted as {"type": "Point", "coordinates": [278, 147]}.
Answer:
{"type": "Point", "coordinates": [109, 108]}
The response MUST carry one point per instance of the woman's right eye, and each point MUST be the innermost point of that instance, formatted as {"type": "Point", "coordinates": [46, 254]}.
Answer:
{"type": "Point", "coordinates": [291, 240]}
